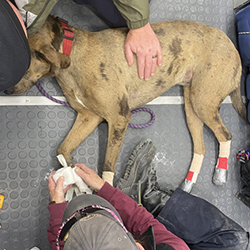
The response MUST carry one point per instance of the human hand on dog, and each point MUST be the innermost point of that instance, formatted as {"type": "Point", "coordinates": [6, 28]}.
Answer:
{"type": "Point", "coordinates": [89, 176]}
{"type": "Point", "coordinates": [144, 43]}
{"type": "Point", "coordinates": [56, 190]}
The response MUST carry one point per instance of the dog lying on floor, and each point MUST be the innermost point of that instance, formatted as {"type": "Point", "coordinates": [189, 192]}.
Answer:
{"type": "Point", "coordinates": [98, 83]}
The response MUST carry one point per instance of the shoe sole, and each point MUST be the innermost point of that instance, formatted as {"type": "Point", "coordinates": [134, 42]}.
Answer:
{"type": "Point", "coordinates": [145, 148]}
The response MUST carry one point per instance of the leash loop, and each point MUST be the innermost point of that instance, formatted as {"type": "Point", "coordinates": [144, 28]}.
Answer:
{"type": "Point", "coordinates": [137, 126]}
{"type": "Point", "coordinates": [143, 125]}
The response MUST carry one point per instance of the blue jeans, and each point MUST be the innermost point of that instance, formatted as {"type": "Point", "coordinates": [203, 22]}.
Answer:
{"type": "Point", "coordinates": [200, 224]}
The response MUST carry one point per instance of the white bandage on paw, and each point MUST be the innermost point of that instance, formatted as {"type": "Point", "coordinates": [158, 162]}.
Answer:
{"type": "Point", "coordinates": [108, 177]}
{"type": "Point", "coordinates": [195, 168]}
{"type": "Point", "coordinates": [62, 160]}
{"type": "Point", "coordinates": [225, 149]}
{"type": "Point", "coordinates": [70, 177]}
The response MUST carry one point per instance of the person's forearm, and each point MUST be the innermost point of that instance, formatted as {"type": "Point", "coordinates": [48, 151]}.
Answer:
{"type": "Point", "coordinates": [137, 219]}
{"type": "Point", "coordinates": [126, 207]}
{"type": "Point", "coordinates": [136, 12]}
{"type": "Point", "coordinates": [56, 213]}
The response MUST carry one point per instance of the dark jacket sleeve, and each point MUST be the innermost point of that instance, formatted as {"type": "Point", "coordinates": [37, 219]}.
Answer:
{"type": "Point", "coordinates": [56, 213]}
{"type": "Point", "coordinates": [137, 219]}
{"type": "Point", "coordinates": [136, 12]}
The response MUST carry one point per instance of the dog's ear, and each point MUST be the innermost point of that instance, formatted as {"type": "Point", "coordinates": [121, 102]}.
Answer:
{"type": "Point", "coordinates": [56, 58]}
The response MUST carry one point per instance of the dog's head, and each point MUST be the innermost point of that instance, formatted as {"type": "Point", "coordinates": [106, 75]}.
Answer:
{"type": "Point", "coordinates": [45, 58]}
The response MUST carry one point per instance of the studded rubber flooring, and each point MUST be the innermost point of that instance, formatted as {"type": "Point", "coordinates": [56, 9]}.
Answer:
{"type": "Point", "coordinates": [32, 127]}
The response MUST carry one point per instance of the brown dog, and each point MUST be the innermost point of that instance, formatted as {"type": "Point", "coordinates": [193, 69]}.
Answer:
{"type": "Point", "coordinates": [98, 83]}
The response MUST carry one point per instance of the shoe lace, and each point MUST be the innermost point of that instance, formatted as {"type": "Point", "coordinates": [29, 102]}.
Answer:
{"type": "Point", "coordinates": [139, 195]}
{"type": "Point", "coordinates": [165, 191]}
{"type": "Point", "coordinates": [156, 186]}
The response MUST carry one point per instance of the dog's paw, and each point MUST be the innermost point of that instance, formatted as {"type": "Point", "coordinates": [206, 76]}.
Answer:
{"type": "Point", "coordinates": [187, 185]}
{"type": "Point", "coordinates": [220, 176]}
{"type": "Point", "coordinates": [65, 62]}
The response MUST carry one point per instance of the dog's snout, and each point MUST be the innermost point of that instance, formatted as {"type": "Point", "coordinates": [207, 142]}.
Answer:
{"type": "Point", "coordinates": [8, 92]}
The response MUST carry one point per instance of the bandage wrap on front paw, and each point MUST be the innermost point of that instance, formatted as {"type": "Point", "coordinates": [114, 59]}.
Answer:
{"type": "Point", "coordinates": [108, 177]}
{"type": "Point", "coordinates": [70, 177]}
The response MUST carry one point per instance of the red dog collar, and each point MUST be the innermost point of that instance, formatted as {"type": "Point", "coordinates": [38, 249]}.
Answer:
{"type": "Point", "coordinates": [68, 37]}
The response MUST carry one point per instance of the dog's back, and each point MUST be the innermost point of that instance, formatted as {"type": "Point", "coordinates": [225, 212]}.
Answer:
{"type": "Point", "coordinates": [192, 52]}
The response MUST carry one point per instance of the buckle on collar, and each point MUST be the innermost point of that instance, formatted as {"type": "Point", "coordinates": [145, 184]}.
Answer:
{"type": "Point", "coordinates": [65, 31]}
{"type": "Point", "coordinates": [68, 36]}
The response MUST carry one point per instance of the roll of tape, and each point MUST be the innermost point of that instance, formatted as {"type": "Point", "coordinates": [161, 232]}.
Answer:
{"type": "Point", "coordinates": [1, 200]}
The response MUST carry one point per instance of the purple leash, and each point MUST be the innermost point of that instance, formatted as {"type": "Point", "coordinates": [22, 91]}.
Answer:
{"type": "Point", "coordinates": [42, 90]}
{"type": "Point", "coordinates": [143, 125]}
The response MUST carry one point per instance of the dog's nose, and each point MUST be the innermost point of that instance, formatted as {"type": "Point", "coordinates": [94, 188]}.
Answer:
{"type": "Point", "coordinates": [8, 92]}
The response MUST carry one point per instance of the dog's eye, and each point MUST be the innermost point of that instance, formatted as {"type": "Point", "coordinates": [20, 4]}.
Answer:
{"type": "Point", "coordinates": [38, 55]}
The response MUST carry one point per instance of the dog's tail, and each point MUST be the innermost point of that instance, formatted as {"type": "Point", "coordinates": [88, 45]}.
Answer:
{"type": "Point", "coordinates": [238, 104]}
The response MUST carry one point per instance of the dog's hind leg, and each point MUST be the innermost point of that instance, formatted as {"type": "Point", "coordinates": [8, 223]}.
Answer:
{"type": "Point", "coordinates": [213, 120]}
{"type": "Point", "coordinates": [195, 126]}
{"type": "Point", "coordinates": [86, 121]}
{"type": "Point", "coordinates": [224, 138]}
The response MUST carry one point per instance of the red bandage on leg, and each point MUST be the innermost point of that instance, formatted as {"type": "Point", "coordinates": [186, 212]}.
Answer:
{"type": "Point", "coordinates": [192, 176]}
{"type": "Point", "coordinates": [222, 163]}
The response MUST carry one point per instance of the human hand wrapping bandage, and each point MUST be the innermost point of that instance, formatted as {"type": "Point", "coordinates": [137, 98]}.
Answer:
{"type": "Point", "coordinates": [70, 177]}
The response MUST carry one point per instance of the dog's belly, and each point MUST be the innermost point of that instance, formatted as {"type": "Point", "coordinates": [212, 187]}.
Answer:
{"type": "Point", "coordinates": [158, 84]}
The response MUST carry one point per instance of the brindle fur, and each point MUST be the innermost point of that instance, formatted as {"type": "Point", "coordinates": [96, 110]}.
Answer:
{"type": "Point", "coordinates": [199, 57]}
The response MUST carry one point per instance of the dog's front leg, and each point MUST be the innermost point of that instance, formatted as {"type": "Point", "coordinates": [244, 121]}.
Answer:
{"type": "Point", "coordinates": [116, 133]}
{"type": "Point", "coordinates": [86, 121]}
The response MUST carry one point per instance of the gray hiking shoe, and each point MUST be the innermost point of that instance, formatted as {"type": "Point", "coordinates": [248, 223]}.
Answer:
{"type": "Point", "coordinates": [140, 181]}
{"type": "Point", "coordinates": [154, 197]}
{"type": "Point", "coordinates": [138, 166]}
